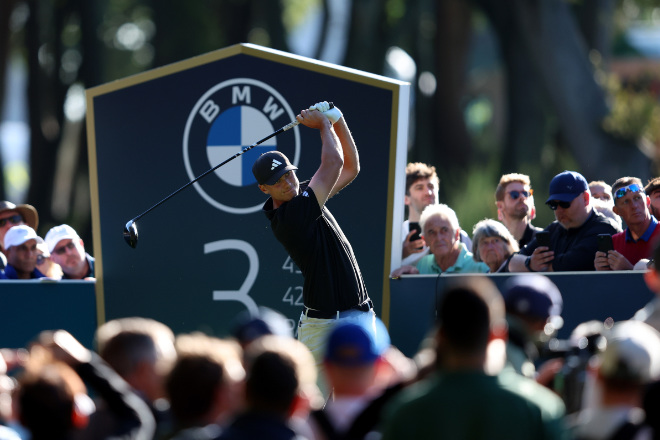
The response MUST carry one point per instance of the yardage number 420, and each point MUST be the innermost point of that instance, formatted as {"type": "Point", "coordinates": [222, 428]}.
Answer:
{"type": "Point", "coordinates": [294, 296]}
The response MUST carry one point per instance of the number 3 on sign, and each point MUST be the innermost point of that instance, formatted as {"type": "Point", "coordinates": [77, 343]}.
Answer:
{"type": "Point", "coordinates": [294, 296]}
{"type": "Point", "coordinates": [290, 266]}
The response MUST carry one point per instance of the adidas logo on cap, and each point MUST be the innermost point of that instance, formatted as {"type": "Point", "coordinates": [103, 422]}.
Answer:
{"type": "Point", "coordinates": [270, 166]}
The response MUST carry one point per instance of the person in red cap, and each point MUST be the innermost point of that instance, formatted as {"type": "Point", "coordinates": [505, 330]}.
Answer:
{"type": "Point", "coordinates": [333, 285]}
{"type": "Point", "coordinates": [13, 215]}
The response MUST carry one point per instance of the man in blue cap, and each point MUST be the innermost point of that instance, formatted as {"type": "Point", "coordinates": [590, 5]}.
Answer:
{"type": "Point", "coordinates": [533, 304]}
{"type": "Point", "coordinates": [573, 237]}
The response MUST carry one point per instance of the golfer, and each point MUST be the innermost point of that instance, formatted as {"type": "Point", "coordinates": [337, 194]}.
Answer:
{"type": "Point", "coordinates": [333, 285]}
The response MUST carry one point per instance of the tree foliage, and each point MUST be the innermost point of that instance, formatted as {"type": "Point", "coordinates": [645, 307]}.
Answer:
{"type": "Point", "coordinates": [494, 92]}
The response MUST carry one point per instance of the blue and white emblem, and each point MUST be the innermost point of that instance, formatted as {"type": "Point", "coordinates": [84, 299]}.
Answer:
{"type": "Point", "coordinates": [226, 119]}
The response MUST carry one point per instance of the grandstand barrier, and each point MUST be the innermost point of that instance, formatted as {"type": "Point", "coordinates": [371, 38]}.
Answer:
{"type": "Point", "coordinates": [587, 296]}
{"type": "Point", "coordinates": [32, 306]}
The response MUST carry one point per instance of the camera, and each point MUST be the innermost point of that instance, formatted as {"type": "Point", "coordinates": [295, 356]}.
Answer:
{"type": "Point", "coordinates": [585, 342]}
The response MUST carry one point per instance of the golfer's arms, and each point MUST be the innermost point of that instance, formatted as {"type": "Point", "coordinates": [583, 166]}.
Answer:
{"type": "Point", "coordinates": [332, 160]}
{"type": "Point", "coordinates": [351, 158]}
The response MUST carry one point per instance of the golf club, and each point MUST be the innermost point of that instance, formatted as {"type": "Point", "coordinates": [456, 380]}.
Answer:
{"type": "Point", "coordinates": [130, 230]}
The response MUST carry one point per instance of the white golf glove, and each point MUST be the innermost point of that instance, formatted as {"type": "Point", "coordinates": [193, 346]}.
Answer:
{"type": "Point", "coordinates": [334, 114]}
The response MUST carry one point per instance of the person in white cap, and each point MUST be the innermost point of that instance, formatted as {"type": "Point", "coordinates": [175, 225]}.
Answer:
{"type": "Point", "coordinates": [68, 250]}
{"type": "Point", "coordinates": [21, 249]}
{"type": "Point", "coordinates": [630, 361]}
{"type": "Point", "coordinates": [13, 215]}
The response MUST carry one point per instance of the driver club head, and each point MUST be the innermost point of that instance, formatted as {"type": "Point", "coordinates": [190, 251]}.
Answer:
{"type": "Point", "coordinates": [131, 234]}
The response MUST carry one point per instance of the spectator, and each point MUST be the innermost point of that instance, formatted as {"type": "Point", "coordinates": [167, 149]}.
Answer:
{"type": "Point", "coordinates": [21, 248]}
{"type": "Point", "coordinates": [533, 311]}
{"type": "Point", "coordinates": [633, 244]}
{"type": "Point", "coordinates": [573, 237]}
{"type": "Point", "coordinates": [422, 186]}
{"type": "Point", "coordinates": [629, 362]}
{"type": "Point", "coordinates": [52, 399]}
{"type": "Point", "coordinates": [601, 191]}
{"type": "Point", "coordinates": [141, 351]}
{"type": "Point", "coordinates": [280, 374]}
{"type": "Point", "coordinates": [68, 250]}
{"type": "Point", "coordinates": [9, 427]}
{"type": "Point", "coordinates": [248, 327]}
{"type": "Point", "coordinates": [45, 264]}
{"type": "Point", "coordinates": [353, 361]}
{"type": "Point", "coordinates": [650, 313]}
{"type": "Point", "coordinates": [471, 318]}
{"type": "Point", "coordinates": [652, 189]}
{"type": "Point", "coordinates": [493, 244]}
{"type": "Point", "coordinates": [441, 232]}
{"type": "Point", "coordinates": [204, 386]}
{"type": "Point", "coordinates": [607, 209]}
{"type": "Point", "coordinates": [12, 215]}
{"type": "Point", "coordinates": [514, 198]}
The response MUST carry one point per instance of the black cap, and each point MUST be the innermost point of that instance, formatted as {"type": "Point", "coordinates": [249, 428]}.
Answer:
{"type": "Point", "coordinates": [270, 166]}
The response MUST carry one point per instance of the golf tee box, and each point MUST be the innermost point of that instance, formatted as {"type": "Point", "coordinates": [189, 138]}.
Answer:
{"type": "Point", "coordinates": [208, 253]}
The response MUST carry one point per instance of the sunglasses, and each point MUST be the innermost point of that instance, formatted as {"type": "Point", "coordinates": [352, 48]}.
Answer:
{"type": "Point", "coordinates": [515, 194]}
{"type": "Point", "coordinates": [14, 220]}
{"type": "Point", "coordinates": [62, 250]}
{"type": "Point", "coordinates": [622, 191]}
{"type": "Point", "coordinates": [553, 204]}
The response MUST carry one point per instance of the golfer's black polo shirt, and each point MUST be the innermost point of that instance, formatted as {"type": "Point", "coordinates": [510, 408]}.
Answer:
{"type": "Point", "coordinates": [317, 245]}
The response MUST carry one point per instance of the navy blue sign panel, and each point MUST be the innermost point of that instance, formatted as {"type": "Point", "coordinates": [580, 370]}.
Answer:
{"type": "Point", "coordinates": [208, 253]}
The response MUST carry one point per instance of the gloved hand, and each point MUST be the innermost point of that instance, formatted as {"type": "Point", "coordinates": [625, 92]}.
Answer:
{"type": "Point", "coordinates": [334, 114]}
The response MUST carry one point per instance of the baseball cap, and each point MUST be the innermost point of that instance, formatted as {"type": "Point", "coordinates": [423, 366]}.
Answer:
{"type": "Point", "coordinates": [532, 295]}
{"type": "Point", "coordinates": [249, 326]}
{"type": "Point", "coordinates": [632, 352]}
{"type": "Point", "coordinates": [17, 235]}
{"type": "Point", "coordinates": [57, 233]}
{"type": "Point", "coordinates": [566, 186]}
{"type": "Point", "coordinates": [28, 212]}
{"type": "Point", "coordinates": [351, 343]}
{"type": "Point", "coordinates": [270, 166]}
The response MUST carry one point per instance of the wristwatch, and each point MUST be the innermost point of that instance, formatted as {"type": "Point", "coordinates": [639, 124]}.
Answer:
{"type": "Point", "coordinates": [528, 264]}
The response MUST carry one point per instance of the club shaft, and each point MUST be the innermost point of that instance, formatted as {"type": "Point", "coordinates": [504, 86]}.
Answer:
{"type": "Point", "coordinates": [244, 150]}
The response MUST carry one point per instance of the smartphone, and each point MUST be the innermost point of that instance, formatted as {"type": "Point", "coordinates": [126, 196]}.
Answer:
{"type": "Point", "coordinates": [418, 230]}
{"type": "Point", "coordinates": [543, 238]}
{"type": "Point", "coordinates": [605, 243]}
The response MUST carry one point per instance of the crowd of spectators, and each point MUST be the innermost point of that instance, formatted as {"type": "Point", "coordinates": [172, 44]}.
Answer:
{"type": "Point", "coordinates": [25, 255]}
{"type": "Point", "coordinates": [484, 372]}
{"type": "Point", "coordinates": [585, 213]}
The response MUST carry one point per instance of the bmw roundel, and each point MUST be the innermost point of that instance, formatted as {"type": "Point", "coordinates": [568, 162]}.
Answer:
{"type": "Point", "coordinates": [228, 118]}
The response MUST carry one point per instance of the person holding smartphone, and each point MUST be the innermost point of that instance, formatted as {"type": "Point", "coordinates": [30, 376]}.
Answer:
{"type": "Point", "coordinates": [635, 243]}
{"type": "Point", "coordinates": [422, 184]}
{"type": "Point", "coordinates": [573, 237]}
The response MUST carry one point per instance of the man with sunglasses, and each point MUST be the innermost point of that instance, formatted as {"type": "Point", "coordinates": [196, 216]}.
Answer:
{"type": "Point", "coordinates": [12, 215]}
{"type": "Point", "coordinates": [573, 238]}
{"type": "Point", "coordinates": [68, 250]}
{"type": "Point", "coordinates": [514, 199]}
{"type": "Point", "coordinates": [635, 243]}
